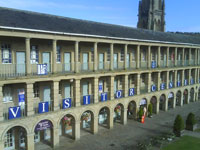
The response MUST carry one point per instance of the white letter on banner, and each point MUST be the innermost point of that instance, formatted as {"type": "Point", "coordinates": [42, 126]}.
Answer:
{"type": "Point", "coordinates": [86, 100]}
{"type": "Point", "coordinates": [14, 113]}
{"type": "Point", "coordinates": [67, 103]}
{"type": "Point", "coordinates": [43, 107]}
{"type": "Point", "coordinates": [103, 96]}
{"type": "Point", "coordinates": [131, 92]}
{"type": "Point", "coordinates": [119, 93]}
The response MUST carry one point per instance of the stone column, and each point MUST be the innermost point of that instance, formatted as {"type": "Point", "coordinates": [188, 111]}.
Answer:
{"type": "Point", "coordinates": [158, 63]}
{"type": "Point", "coordinates": [125, 56]}
{"type": "Point", "coordinates": [54, 57]}
{"type": "Point", "coordinates": [125, 85]}
{"type": "Point", "coordinates": [149, 82]}
{"type": "Point", "coordinates": [29, 99]}
{"type": "Point", "coordinates": [149, 56]}
{"type": "Point", "coordinates": [124, 116]}
{"type": "Point", "coordinates": [95, 57]}
{"type": "Point", "coordinates": [138, 84]}
{"type": "Point", "coordinates": [30, 144]}
{"type": "Point", "coordinates": [95, 125]}
{"type": "Point", "coordinates": [2, 144]}
{"type": "Point", "coordinates": [96, 89]}
{"type": "Point", "coordinates": [112, 78]}
{"type": "Point", "coordinates": [1, 102]}
{"type": "Point", "coordinates": [183, 77]}
{"type": "Point", "coordinates": [175, 59]}
{"type": "Point", "coordinates": [138, 57]}
{"type": "Point", "coordinates": [110, 119]}
{"type": "Point", "coordinates": [158, 82]}
{"type": "Point", "coordinates": [76, 133]}
{"type": "Point", "coordinates": [167, 81]}
{"type": "Point", "coordinates": [55, 137]}
{"type": "Point", "coordinates": [175, 79]}
{"type": "Point", "coordinates": [183, 57]}
{"type": "Point", "coordinates": [190, 57]}
{"type": "Point", "coordinates": [28, 55]}
{"type": "Point", "coordinates": [56, 95]}
{"type": "Point", "coordinates": [111, 55]}
{"type": "Point", "coordinates": [77, 92]}
{"type": "Point", "coordinates": [157, 106]}
{"type": "Point", "coordinates": [167, 56]}
{"type": "Point", "coordinates": [76, 54]}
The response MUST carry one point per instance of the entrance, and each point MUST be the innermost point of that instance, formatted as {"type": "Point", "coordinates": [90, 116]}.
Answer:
{"type": "Point", "coordinates": [131, 112]}
{"type": "Point", "coordinates": [162, 103]}
{"type": "Point", "coordinates": [101, 61]}
{"type": "Point", "coordinates": [170, 100]}
{"type": "Point", "coordinates": [85, 61]}
{"type": "Point", "coordinates": [104, 117]}
{"type": "Point", "coordinates": [178, 98]}
{"type": "Point", "coordinates": [67, 61]}
{"type": "Point", "coordinates": [154, 104]}
{"type": "Point", "coordinates": [115, 62]}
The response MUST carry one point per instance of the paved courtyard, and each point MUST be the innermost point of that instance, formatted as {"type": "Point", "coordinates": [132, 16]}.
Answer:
{"type": "Point", "coordinates": [125, 137]}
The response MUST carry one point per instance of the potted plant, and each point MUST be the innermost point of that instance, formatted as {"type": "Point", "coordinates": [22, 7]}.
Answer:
{"type": "Point", "coordinates": [150, 110]}
{"type": "Point", "coordinates": [178, 126]}
{"type": "Point", "coordinates": [191, 123]}
{"type": "Point", "coordinates": [140, 114]}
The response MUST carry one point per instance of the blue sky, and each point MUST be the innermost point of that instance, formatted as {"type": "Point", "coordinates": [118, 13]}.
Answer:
{"type": "Point", "coordinates": [181, 15]}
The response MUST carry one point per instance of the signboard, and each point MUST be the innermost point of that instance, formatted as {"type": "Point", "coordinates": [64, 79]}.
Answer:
{"type": "Point", "coordinates": [67, 103]}
{"type": "Point", "coordinates": [131, 92]}
{"type": "Point", "coordinates": [178, 83]}
{"type": "Point", "coordinates": [185, 82]}
{"type": "Point", "coordinates": [171, 95]}
{"type": "Point", "coordinates": [143, 102]}
{"type": "Point", "coordinates": [42, 69]}
{"type": "Point", "coordinates": [192, 81]}
{"type": "Point", "coordinates": [100, 86]}
{"type": "Point", "coordinates": [104, 97]}
{"type": "Point", "coordinates": [86, 100]}
{"type": "Point", "coordinates": [162, 86]}
{"type": "Point", "coordinates": [153, 88]}
{"type": "Point", "coordinates": [43, 125]}
{"type": "Point", "coordinates": [153, 64]}
{"type": "Point", "coordinates": [14, 112]}
{"type": "Point", "coordinates": [170, 85]}
{"type": "Point", "coordinates": [119, 94]}
{"type": "Point", "coordinates": [43, 107]}
{"type": "Point", "coordinates": [21, 98]}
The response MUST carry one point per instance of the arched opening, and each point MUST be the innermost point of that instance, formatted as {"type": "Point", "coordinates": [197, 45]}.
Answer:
{"type": "Point", "coordinates": [162, 102]}
{"type": "Point", "coordinates": [131, 112]}
{"type": "Point", "coordinates": [118, 113]}
{"type": "Point", "coordinates": [143, 105]}
{"type": "Point", "coordinates": [87, 121]}
{"type": "Point", "coordinates": [170, 100]}
{"type": "Point", "coordinates": [178, 98]}
{"type": "Point", "coordinates": [43, 134]}
{"type": "Point", "coordinates": [15, 138]}
{"type": "Point", "coordinates": [199, 94]}
{"type": "Point", "coordinates": [154, 104]}
{"type": "Point", "coordinates": [185, 96]}
{"type": "Point", "coordinates": [104, 115]}
{"type": "Point", "coordinates": [192, 95]}
{"type": "Point", "coordinates": [67, 127]}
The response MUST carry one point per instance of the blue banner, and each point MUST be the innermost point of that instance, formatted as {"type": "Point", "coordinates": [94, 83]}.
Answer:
{"type": "Point", "coordinates": [119, 94]}
{"type": "Point", "coordinates": [153, 64]}
{"type": "Point", "coordinates": [104, 97]}
{"type": "Point", "coordinates": [86, 100]}
{"type": "Point", "coordinates": [162, 86]}
{"type": "Point", "coordinates": [42, 69]}
{"type": "Point", "coordinates": [185, 82]}
{"type": "Point", "coordinates": [131, 92]}
{"type": "Point", "coordinates": [14, 112]}
{"type": "Point", "coordinates": [178, 83]}
{"type": "Point", "coordinates": [153, 88]}
{"type": "Point", "coordinates": [192, 81]}
{"type": "Point", "coordinates": [67, 103]}
{"type": "Point", "coordinates": [171, 84]}
{"type": "Point", "coordinates": [21, 96]}
{"type": "Point", "coordinates": [43, 107]}
{"type": "Point", "coordinates": [100, 87]}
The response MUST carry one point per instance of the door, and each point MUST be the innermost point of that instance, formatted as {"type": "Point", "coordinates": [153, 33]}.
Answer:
{"type": "Point", "coordinates": [101, 61]}
{"type": "Point", "coordinates": [115, 62]}
{"type": "Point", "coordinates": [85, 61]}
{"type": "Point", "coordinates": [46, 60]}
{"type": "Point", "coordinates": [85, 89]}
{"type": "Point", "coordinates": [47, 94]}
{"type": "Point", "coordinates": [67, 91]}
{"type": "Point", "coordinates": [67, 61]}
{"type": "Point", "coordinates": [20, 58]}
{"type": "Point", "coordinates": [128, 60]}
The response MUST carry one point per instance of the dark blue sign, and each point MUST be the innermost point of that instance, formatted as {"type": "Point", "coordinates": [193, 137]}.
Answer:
{"type": "Point", "coordinates": [185, 82]}
{"type": "Point", "coordinates": [178, 83]}
{"type": "Point", "coordinates": [21, 96]}
{"type": "Point", "coordinates": [162, 86]}
{"type": "Point", "coordinates": [153, 88]}
{"type": "Point", "coordinates": [192, 81]}
{"type": "Point", "coordinates": [104, 97]}
{"type": "Point", "coordinates": [67, 103]}
{"type": "Point", "coordinates": [14, 112]}
{"type": "Point", "coordinates": [86, 100]}
{"type": "Point", "coordinates": [43, 125]}
{"type": "Point", "coordinates": [153, 64]}
{"type": "Point", "coordinates": [131, 92]}
{"type": "Point", "coordinates": [43, 107]}
{"type": "Point", "coordinates": [171, 84]}
{"type": "Point", "coordinates": [42, 69]}
{"type": "Point", "coordinates": [119, 94]}
{"type": "Point", "coordinates": [100, 87]}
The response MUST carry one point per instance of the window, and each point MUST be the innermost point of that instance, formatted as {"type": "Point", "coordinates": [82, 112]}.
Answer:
{"type": "Point", "coordinates": [58, 58]}
{"type": "Point", "coordinates": [34, 55]}
{"type": "Point", "coordinates": [133, 55]}
{"type": "Point", "coordinates": [6, 54]}
{"type": "Point", "coordinates": [108, 54]}
{"type": "Point", "coordinates": [7, 94]}
{"type": "Point", "coordinates": [36, 90]}
{"type": "Point", "coordinates": [8, 139]}
{"type": "Point", "coordinates": [122, 54]}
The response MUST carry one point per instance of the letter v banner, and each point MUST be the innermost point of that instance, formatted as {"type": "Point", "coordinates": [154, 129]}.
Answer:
{"type": "Point", "coordinates": [14, 112]}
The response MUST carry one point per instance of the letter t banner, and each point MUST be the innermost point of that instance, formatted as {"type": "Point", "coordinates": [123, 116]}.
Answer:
{"type": "Point", "coordinates": [14, 112]}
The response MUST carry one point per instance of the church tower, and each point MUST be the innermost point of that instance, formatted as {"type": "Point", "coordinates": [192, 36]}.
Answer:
{"type": "Point", "coordinates": [152, 15]}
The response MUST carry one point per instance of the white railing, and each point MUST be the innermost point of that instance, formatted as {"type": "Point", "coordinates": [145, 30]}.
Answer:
{"type": "Point", "coordinates": [36, 106]}
{"type": "Point", "coordinates": [12, 70]}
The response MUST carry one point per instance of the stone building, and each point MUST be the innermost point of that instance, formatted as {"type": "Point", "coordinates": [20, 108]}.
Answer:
{"type": "Point", "coordinates": [152, 15]}
{"type": "Point", "coordinates": [62, 76]}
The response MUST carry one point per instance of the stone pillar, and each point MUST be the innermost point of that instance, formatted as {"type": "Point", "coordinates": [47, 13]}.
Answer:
{"type": "Point", "coordinates": [1, 102]}
{"type": "Point", "coordinates": [167, 81]}
{"type": "Point", "coordinates": [111, 55]}
{"type": "Point", "coordinates": [138, 84]}
{"type": "Point", "coordinates": [110, 119]}
{"type": "Point", "coordinates": [29, 99]}
{"type": "Point", "coordinates": [138, 57]}
{"type": "Point", "coordinates": [167, 56]}
{"type": "Point", "coordinates": [76, 133]}
{"type": "Point", "coordinates": [95, 125]}
{"type": "Point", "coordinates": [125, 56]}
{"type": "Point", "coordinates": [175, 79]}
{"type": "Point", "coordinates": [174, 101]}
{"type": "Point", "coordinates": [157, 106]}
{"type": "Point", "coordinates": [96, 89]}
{"type": "Point", "coordinates": [2, 144]}
{"type": "Point", "coordinates": [112, 78]}
{"type": "Point", "coordinates": [54, 57]}
{"type": "Point", "coordinates": [30, 144]}
{"type": "Point", "coordinates": [166, 103]}
{"type": "Point", "coordinates": [175, 59]}
{"type": "Point", "coordinates": [28, 55]}
{"type": "Point", "coordinates": [125, 85]}
{"type": "Point", "coordinates": [55, 137]}
{"type": "Point", "coordinates": [158, 82]}
{"type": "Point", "coordinates": [149, 82]}
{"type": "Point", "coordinates": [149, 56]}
{"type": "Point", "coordinates": [95, 57]}
{"type": "Point", "coordinates": [56, 95]}
{"type": "Point", "coordinates": [124, 116]}
{"type": "Point", "coordinates": [77, 92]}
{"type": "Point", "coordinates": [183, 77]}
{"type": "Point", "coordinates": [76, 54]}
{"type": "Point", "coordinates": [158, 63]}
{"type": "Point", "coordinates": [183, 57]}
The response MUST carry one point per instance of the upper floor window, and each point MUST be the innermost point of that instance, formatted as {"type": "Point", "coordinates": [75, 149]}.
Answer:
{"type": "Point", "coordinates": [34, 55]}
{"type": "Point", "coordinates": [6, 53]}
{"type": "Point", "coordinates": [7, 94]}
{"type": "Point", "coordinates": [58, 58]}
{"type": "Point", "coordinates": [36, 90]}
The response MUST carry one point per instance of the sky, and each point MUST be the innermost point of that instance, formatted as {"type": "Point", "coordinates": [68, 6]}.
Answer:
{"type": "Point", "coordinates": [181, 15]}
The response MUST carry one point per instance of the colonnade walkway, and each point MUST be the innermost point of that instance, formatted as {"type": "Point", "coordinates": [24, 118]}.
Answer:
{"type": "Point", "coordinates": [125, 137]}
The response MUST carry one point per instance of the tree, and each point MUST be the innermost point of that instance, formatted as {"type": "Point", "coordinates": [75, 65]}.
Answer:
{"type": "Point", "coordinates": [178, 125]}
{"type": "Point", "coordinates": [191, 119]}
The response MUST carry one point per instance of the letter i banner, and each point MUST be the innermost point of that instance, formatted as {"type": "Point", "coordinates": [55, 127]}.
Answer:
{"type": "Point", "coordinates": [14, 112]}
{"type": "Point", "coordinates": [43, 107]}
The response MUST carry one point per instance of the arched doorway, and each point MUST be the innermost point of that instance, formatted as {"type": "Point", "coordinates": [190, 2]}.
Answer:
{"type": "Point", "coordinates": [44, 134]}
{"type": "Point", "coordinates": [118, 113]}
{"type": "Point", "coordinates": [131, 112]}
{"type": "Point", "coordinates": [154, 104]}
{"type": "Point", "coordinates": [87, 121]}
{"type": "Point", "coordinates": [162, 104]}
{"type": "Point", "coordinates": [192, 95]}
{"type": "Point", "coordinates": [67, 126]}
{"type": "Point", "coordinates": [104, 114]}
{"type": "Point", "coordinates": [171, 100]}
{"type": "Point", "coordinates": [178, 98]}
{"type": "Point", "coordinates": [185, 96]}
{"type": "Point", "coordinates": [15, 138]}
